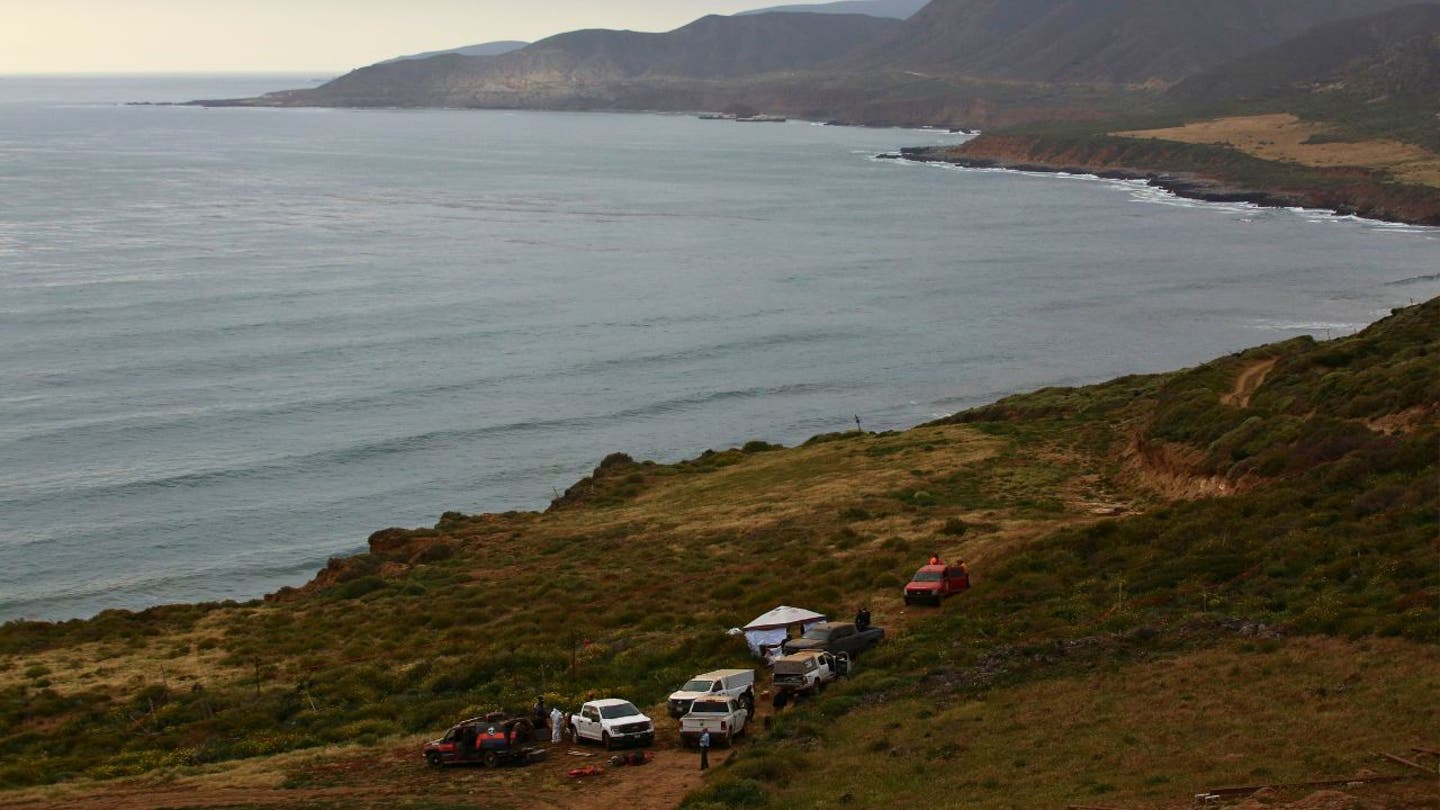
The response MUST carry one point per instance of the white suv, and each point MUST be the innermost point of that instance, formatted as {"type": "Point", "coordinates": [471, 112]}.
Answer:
{"type": "Point", "coordinates": [611, 722]}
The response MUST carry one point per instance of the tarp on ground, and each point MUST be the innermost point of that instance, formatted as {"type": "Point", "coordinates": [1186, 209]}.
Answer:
{"type": "Point", "coordinates": [768, 630]}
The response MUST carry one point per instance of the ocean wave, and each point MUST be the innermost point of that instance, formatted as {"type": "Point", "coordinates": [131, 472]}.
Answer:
{"type": "Point", "coordinates": [137, 591]}
{"type": "Point", "coordinates": [118, 426]}
{"type": "Point", "coordinates": [34, 492]}
{"type": "Point", "coordinates": [1329, 328]}
{"type": "Point", "coordinates": [1405, 282]}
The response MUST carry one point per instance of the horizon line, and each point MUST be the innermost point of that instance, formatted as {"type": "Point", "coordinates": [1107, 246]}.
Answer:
{"type": "Point", "coordinates": [89, 73]}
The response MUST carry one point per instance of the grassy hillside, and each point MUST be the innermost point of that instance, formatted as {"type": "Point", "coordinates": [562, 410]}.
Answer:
{"type": "Point", "coordinates": [1110, 42]}
{"type": "Point", "coordinates": [1186, 578]}
{"type": "Point", "coordinates": [1372, 77]}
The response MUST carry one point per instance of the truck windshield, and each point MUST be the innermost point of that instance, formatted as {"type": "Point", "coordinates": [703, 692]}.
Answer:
{"type": "Point", "coordinates": [696, 685]}
{"type": "Point", "coordinates": [619, 710]}
{"type": "Point", "coordinates": [818, 633]}
{"type": "Point", "coordinates": [926, 576]}
{"type": "Point", "coordinates": [709, 707]}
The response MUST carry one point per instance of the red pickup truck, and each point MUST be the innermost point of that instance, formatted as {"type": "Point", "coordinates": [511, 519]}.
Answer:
{"type": "Point", "coordinates": [935, 582]}
{"type": "Point", "coordinates": [488, 740]}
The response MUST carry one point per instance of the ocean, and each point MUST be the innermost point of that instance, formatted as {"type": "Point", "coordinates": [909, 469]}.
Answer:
{"type": "Point", "coordinates": [234, 342]}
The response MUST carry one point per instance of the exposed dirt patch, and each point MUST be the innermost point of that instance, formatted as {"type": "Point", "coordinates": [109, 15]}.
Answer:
{"type": "Point", "coordinates": [1283, 137]}
{"type": "Point", "coordinates": [1406, 421]}
{"type": "Point", "coordinates": [1250, 379]}
{"type": "Point", "coordinates": [1170, 470]}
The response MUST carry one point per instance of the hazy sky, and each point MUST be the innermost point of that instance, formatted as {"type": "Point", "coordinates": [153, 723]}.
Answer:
{"type": "Point", "coordinates": [330, 36]}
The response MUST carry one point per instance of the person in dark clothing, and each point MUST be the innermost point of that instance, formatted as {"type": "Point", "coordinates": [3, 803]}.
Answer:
{"type": "Point", "coordinates": [467, 740]}
{"type": "Point", "coordinates": [862, 618]}
{"type": "Point", "coordinates": [704, 750]}
{"type": "Point", "coordinates": [540, 712]}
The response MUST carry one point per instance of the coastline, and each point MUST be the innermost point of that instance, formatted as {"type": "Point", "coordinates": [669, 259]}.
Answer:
{"type": "Point", "coordinates": [1204, 173]}
{"type": "Point", "coordinates": [1207, 175]}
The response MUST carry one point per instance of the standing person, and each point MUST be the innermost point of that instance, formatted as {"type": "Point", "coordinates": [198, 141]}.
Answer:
{"type": "Point", "coordinates": [862, 618]}
{"type": "Point", "coordinates": [557, 724]}
{"type": "Point", "coordinates": [934, 559]}
{"type": "Point", "coordinates": [704, 750]}
{"type": "Point", "coordinates": [540, 712]}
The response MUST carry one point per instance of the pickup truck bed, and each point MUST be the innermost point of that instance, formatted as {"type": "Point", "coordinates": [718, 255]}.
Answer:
{"type": "Point", "coordinates": [724, 719]}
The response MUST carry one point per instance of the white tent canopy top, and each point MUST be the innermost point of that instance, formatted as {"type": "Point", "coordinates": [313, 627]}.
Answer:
{"type": "Point", "coordinates": [784, 616]}
{"type": "Point", "coordinates": [768, 630]}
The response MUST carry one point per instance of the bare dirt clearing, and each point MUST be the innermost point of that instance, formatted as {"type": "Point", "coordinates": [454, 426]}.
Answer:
{"type": "Point", "coordinates": [393, 777]}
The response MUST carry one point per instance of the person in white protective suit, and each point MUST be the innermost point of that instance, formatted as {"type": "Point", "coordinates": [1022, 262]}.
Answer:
{"type": "Point", "coordinates": [557, 724]}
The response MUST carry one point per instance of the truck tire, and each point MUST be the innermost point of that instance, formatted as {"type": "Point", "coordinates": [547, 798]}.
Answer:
{"type": "Point", "coordinates": [605, 740]}
{"type": "Point", "coordinates": [491, 759]}
{"type": "Point", "coordinates": [574, 734]}
{"type": "Point", "coordinates": [432, 758]}
{"type": "Point", "coordinates": [726, 739]}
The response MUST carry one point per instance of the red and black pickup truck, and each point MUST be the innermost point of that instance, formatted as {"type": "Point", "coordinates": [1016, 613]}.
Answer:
{"type": "Point", "coordinates": [933, 583]}
{"type": "Point", "coordinates": [488, 740]}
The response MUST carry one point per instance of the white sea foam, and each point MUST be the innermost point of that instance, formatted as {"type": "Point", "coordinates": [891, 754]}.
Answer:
{"type": "Point", "coordinates": [1143, 192]}
{"type": "Point", "coordinates": [1322, 328]}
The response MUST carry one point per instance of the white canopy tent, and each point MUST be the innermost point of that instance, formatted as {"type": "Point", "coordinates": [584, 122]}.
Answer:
{"type": "Point", "coordinates": [768, 630]}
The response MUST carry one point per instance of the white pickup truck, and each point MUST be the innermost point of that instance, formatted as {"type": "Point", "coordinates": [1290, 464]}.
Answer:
{"type": "Point", "coordinates": [806, 672]}
{"type": "Point", "coordinates": [611, 722]}
{"type": "Point", "coordinates": [723, 717]}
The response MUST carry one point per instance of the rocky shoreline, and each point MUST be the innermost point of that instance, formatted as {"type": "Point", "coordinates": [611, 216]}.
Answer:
{"type": "Point", "coordinates": [1181, 185]}
{"type": "Point", "coordinates": [1345, 193]}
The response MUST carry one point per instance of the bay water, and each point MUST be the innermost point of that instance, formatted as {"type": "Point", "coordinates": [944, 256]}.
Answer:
{"type": "Point", "coordinates": [233, 342]}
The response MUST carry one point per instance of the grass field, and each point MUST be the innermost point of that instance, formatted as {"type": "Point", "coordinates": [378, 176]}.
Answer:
{"type": "Point", "coordinates": [1284, 137]}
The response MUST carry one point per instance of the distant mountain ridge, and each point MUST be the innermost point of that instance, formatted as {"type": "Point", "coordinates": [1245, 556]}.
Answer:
{"type": "Point", "coordinates": [896, 9]}
{"type": "Point", "coordinates": [899, 9]}
{"type": "Point", "coordinates": [481, 49]}
{"type": "Point", "coordinates": [983, 63]}
{"type": "Point", "coordinates": [578, 68]}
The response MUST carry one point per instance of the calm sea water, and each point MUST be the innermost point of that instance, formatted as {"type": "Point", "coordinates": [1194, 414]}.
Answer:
{"type": "Point", "coordinates": [235, 342]}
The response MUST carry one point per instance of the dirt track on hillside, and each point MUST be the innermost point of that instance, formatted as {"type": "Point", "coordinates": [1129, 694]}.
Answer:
{"type": "Point", "coordinates": [1250, 380]}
